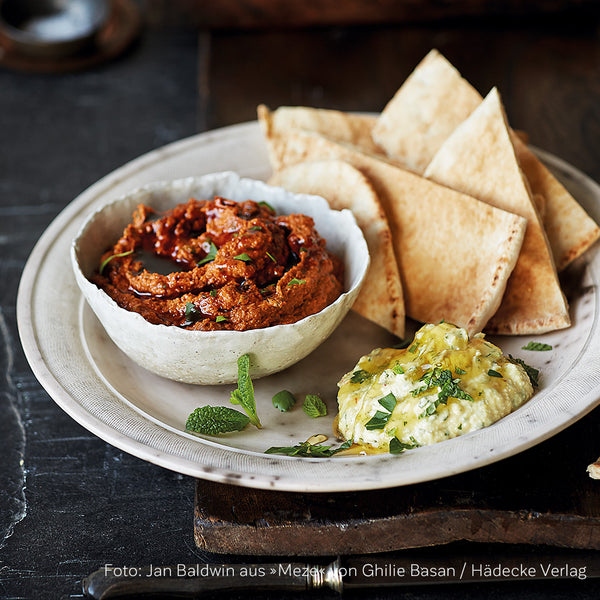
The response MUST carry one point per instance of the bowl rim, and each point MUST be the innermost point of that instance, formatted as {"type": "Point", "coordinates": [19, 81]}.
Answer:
{"type": "Point", "coordinates": [22, 36]}
{"type": "Point", "coordinates": [363, 265]}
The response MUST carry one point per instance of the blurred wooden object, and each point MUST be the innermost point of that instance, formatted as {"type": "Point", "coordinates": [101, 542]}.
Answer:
{"type": "Point", "coordinates": [298, 13]}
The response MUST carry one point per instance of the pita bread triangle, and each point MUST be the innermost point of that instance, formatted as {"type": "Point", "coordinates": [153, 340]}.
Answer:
{"type": "Point", "coordinates": [341, 126]}
{"type": "Point", "coordinates": [479, 159]}
{"type": "Point", "coordinates": [380, 299]}
{"type": "Point", "coordinates": [427, 108]}
{"type": "Point", "coordinates": [429, 105]}
{"type": "Point", "coordinates": [434, 230]}
{"type": "Point", "coordinates": [569, 229]}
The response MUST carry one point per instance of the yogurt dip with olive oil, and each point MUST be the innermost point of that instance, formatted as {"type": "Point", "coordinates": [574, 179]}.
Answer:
{"type": "Point", "coordinates": [439, 387]}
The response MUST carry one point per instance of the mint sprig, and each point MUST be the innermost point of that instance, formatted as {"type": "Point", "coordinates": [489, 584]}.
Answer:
{"type": "Point", "coordinates": [215, 420]}
{"type": "Point", "coordinates": [244, 394]}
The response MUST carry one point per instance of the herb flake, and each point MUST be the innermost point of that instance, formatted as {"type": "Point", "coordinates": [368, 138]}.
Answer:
{"type": "Point", "coordinates": [307, 450]}
{"type": "Point", "coordinates": [107, 260]}
{"type": "Point", "coordinates": [211, 255]}
{"type": "Point", "coordinates": [537, 347]}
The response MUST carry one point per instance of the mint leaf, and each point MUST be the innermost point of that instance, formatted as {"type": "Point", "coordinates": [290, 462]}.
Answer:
{"type": "Point", "coordinates": [211, 255]}
{"type": "Point", "coordinates": [314, 407]}
{"type": "Point", "coordinates": [307, 450]}
{"type": "Point", "coordinates": [244, 394]}
{"type": "Point", "coordinates": [214, 420]}
{"type": "Point", "coordinates": [537, 347]}
{"type": "Point", "coordinates": [360, 376]}
{"type": "Point", "coordinates": [396, 446]}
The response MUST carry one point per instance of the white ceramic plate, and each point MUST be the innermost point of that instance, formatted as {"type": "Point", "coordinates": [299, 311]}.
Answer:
{"type": "Point", "coordinates": [144, 415]}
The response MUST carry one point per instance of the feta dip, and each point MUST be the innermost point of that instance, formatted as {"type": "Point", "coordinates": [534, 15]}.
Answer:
{"type": "Point", "coordinates": [439, 387]}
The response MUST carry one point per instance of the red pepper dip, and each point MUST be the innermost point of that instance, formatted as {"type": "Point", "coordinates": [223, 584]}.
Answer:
{"type": "Point", "coordinates": [223, 265]}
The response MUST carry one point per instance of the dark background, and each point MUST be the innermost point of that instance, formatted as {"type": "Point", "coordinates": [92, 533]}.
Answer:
{"type": "Point", "coordinates": [70, 503]}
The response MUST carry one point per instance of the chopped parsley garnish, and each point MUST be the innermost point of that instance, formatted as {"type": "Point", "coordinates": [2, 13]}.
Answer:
{"type": "Point", "coordinates": [309, 450]}
{"type": "Point", "coordinates": [107, 260]}
{"type": "Point", "coordinates": [192, 313]}
{"type": "Point", "coordinates": [214, 420]}
{"type": "Point", "coordinates": [244, 394]}
{"type": "Point", "coordinates": [537, 347]}
{"type": "Point", "coordinates": [448, 388]}
{"type": "Point", "coordinates": [284, 400]}
{"type": "Point", "coordinates": [380, 419]}
{"type": "Point", "coordinates": [532, 373]}
{"type": "Point", "coordinates": [244, 257]}
{"type": "Point", "coordinates": [493, 373]}
{"type": "Point", "coordinates": [296, 281]}
{"type": "Point", "coordinates": [313, 406]}
{"type": "Point", "coordinates": [396, 446]}
{"type": "Point", "coordinates": [211, 255]}
{"type": "Point", "coordinates": [360, 376]}
{"type": "Point", "coordinates": [263, 203]}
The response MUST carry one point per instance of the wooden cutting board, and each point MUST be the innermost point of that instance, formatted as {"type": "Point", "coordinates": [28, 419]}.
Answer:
{"type": "Point", "coordinates": [541, 496]}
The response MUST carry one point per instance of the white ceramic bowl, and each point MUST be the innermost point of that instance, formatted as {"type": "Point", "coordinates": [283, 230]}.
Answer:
{"type": "Point", "coordinates": [210, 357]}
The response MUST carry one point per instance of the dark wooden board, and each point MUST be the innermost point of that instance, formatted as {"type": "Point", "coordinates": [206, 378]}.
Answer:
{"type": "Point", "coordinates": [541, 496]}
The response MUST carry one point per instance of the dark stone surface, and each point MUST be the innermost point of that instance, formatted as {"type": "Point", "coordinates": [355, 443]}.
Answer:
{"type": "Point", "coordinates": [75, 503]}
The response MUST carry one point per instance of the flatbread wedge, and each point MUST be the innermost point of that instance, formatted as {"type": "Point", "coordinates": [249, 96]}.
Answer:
{"type": "Point", "coordinates": [341, 126]}
{"type": "Point", "coordinates": [569, 228]}
{"type": "Point", "coordinates": [429, 106]}
{"type": "Point", "coordinates": [426, 109]}
{"type": "Point", "coordinates": [454, 253]}
{"type": "Point", "coordinates": [343, 186]}
{"type": "Point", "coordinates": [479, 159]}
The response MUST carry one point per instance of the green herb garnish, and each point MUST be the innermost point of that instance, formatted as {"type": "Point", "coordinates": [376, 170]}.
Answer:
{"type": "Point", "coordinates": [244, 257]}
{"type": "Point", "coordinates": [211, 255]}
{"type": "Point", "coordinates": [314, 407]}
{"type": "Point", "coordinates": [396, 446]}
{"type": "Point", "coordinates": [263, 203]}
{"type": "Point", "coordinates": [459, 371]}
{"type": "Point", "coordinates": [271, 257]}
{"type": "Point", "coordinates": [532, 373]}
{"type": "Point", "coordinates": [107, 260]}
{"type": "Point", "coordinates": [214, 420]}
{"type": "Point", "coordinates": [213, 293]}
{"type": "Point", "coordinates": [296, 281]}
{"type": "Point", "coordinates": [413, 348]}
{"type": "Point", "coordinates": [192, 313]}
{"type": "Point", "coordinates": [493, 373]}
{"type": "Point", "coordinates": [255, 228]}
{"type": "Point", "coordinates": [360, 376]}
{"type": "Point", "coordinates": [448, 388]}
{"type": "Point", "coordinates": [380, 419]}
{"type": "Point", "coordinates": [537, 347]}
{"type": "Point", "coordinates": [244, 394]}
{"type": "Point", "coordinates": [398, 369]}
{"type": "Point", "coordinates": [221, 318]}
{"type": "Point", "coordinates": [284, 400]}
{"type": "Point", "coordinates": [308, 450]}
